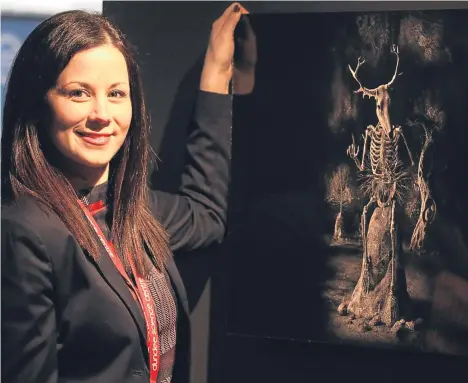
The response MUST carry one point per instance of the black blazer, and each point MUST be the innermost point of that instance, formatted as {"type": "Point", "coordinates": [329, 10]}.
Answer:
{"type": "Point", "coordinates": [66, 318]}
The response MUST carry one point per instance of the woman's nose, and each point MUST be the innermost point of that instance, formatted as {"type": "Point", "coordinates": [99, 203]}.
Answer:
{"type": "Point", "coordinates": [100, 112]}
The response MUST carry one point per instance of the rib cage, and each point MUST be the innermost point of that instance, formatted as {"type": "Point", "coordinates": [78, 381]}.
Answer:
{"type": "Point", "coordinates": [383, 155]}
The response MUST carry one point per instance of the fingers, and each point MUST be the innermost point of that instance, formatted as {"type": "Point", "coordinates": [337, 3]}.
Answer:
{"type": "Point", "coordinates": [232, 15]}
{"type": "Point", "coordinates": [233, 8]}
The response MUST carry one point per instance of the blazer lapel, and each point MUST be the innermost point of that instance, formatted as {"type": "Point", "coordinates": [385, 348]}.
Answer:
{"type": "Point", "coordinates": [112, 276]}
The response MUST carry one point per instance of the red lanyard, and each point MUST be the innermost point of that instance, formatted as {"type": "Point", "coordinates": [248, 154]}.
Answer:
{"type": "Point", "coordinates": [141, 293]}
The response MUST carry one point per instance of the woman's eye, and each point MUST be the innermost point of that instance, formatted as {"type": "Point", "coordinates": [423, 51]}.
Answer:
{"type": "Point", "coordinates": [117, 94]}
{"type": "Point", "coordinates": [77, 93]}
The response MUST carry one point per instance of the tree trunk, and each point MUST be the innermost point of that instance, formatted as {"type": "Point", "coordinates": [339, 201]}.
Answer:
{"type": "Point", "coordinates": [338, 233]}
{"type": "Point", "coordinates": [375, 296]}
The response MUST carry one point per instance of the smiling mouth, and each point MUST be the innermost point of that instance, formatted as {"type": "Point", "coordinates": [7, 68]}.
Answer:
{"type": "Point", "coordinates": [95, 139]}
{"type": "Point", "coordinates": [90, 134]}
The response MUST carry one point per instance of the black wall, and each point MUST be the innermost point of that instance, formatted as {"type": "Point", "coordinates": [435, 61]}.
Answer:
{"type": "Point", "coordinates": [170, 38]}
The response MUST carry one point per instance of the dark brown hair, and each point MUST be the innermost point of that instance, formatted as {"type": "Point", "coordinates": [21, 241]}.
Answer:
{"type": "Point", "coordinates": [29, 160]}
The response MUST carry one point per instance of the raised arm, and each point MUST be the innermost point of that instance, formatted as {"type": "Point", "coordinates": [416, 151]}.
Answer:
{"type": "Point", "coordinates": [196, 216]}
{"type": "Point", "coordinates": [29, 349]}
{"type": "Point", "coordinates": [353, 149]}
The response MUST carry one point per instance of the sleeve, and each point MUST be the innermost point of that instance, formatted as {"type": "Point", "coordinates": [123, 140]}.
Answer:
{"type": "Point", "coordinates": [196, 216]}
{"type": "Point", "coordinates": [29, 352]}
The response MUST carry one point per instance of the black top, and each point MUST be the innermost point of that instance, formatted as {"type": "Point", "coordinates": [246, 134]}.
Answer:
{"type": "Point", "coordinates": [67, 318]}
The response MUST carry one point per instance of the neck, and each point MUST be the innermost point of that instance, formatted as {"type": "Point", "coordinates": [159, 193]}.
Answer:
{"type": "Point", "coordinates": [89, 178]}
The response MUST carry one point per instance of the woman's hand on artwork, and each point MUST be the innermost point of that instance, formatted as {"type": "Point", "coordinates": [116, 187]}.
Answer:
{"type": "Point", "coordinates": [218, 69]}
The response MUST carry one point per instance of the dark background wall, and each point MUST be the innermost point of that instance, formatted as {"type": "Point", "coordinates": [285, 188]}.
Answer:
{"type": "Point", "coordinates": [170, 38]}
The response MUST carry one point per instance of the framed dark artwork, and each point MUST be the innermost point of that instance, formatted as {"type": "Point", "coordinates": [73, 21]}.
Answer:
{"type": "Point", "coordinates": [348, 211]}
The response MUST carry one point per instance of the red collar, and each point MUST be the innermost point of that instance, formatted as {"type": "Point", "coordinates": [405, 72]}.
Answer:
{"type": "Point", "coordinates": [96, 207]}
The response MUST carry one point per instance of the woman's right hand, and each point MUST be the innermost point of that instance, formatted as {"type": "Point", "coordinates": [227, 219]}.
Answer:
{"type": "Point", "coordinates": [217, 69]}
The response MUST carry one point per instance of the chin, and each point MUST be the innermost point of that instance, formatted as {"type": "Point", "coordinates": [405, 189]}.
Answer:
{"type": "Point", "coordinates": [94, 163]}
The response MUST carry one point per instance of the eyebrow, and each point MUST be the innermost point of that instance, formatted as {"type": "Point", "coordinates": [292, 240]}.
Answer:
{"type": "Point", "coordinates": [86, 85]}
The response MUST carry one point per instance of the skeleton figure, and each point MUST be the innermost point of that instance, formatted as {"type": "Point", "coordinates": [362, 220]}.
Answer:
{"type": "Point", "coordinates": [384, 176]}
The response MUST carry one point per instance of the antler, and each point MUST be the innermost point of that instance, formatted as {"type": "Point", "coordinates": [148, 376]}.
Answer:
{"type": "Point", "coordinates": [365, 91]}
{"type": "Point", "coordinates": [394, 51]}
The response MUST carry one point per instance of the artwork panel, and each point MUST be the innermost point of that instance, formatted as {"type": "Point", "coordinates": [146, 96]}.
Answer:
{"type": "Point", "coordinates": [347, 219]}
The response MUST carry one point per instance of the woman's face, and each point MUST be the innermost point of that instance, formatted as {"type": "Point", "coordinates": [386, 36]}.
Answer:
{"type": "Point", "coordinates": [91, 109]}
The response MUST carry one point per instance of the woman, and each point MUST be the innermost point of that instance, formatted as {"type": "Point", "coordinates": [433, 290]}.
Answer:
{"type": "Point", "coordinates": [90, 292]}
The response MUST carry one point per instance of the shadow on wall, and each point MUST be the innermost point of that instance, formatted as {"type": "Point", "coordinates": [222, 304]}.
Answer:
{"type": "Point", "coordinates": [173, 145]}
{"type": "Point", "coordinates": [197, 266]}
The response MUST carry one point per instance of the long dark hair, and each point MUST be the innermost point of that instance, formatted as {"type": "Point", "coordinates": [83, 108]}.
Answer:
{"type": "Point", "coordinates": [29, 159]}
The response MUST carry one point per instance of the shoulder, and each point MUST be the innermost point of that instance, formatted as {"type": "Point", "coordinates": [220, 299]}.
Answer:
{"type": "Point", "coordinates": [26, 218]}
{"type": "Point", "coordinates": [22, 207]}
{"type": "Point", "coordinates": [27, 211]}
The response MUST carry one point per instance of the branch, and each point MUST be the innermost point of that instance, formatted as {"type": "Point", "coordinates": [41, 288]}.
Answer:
{"type": "Point", "coordinates": [428, 206]}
